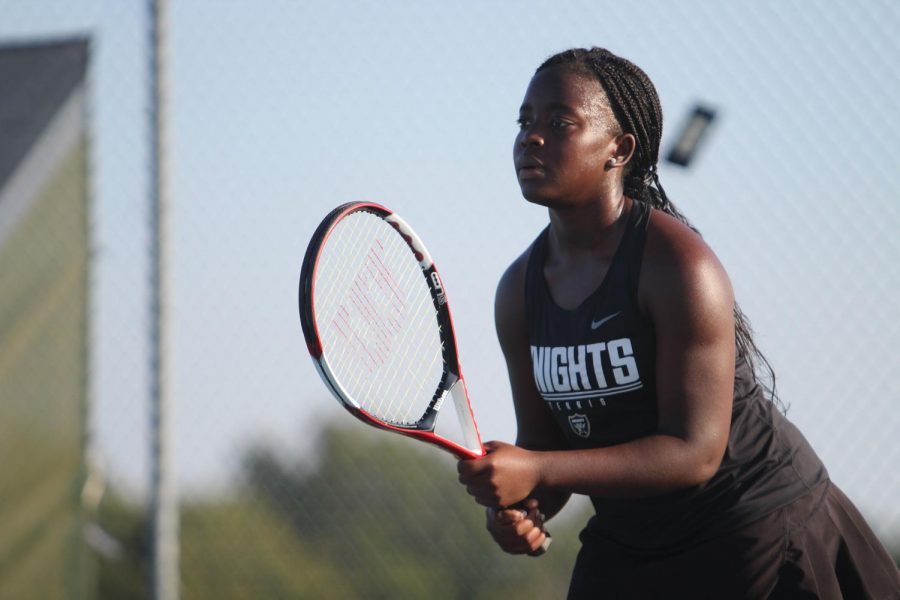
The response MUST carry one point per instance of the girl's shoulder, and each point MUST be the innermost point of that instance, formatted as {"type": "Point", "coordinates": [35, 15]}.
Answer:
{"type": "Point", "coordinates": [511, 287]}
{"type": "Point", "coordinates": [671, 243]}
{"type": "Point", "coordinates": [677, 262]}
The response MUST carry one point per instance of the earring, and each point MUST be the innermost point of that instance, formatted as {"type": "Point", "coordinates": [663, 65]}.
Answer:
{"type": "Point", "coordinates": [611, 162]}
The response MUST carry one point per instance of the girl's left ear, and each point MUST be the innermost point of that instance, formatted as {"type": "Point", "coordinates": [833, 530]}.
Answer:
{"type": "Point", "coordinates": [624, 150]}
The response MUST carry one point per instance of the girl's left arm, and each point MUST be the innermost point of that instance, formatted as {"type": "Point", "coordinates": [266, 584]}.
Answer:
{"type": "Point", "coordinates": [686, 293]}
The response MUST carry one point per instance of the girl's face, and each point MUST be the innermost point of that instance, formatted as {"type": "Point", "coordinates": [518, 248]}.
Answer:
{"type": "Point", "coordinates": [567, 133]}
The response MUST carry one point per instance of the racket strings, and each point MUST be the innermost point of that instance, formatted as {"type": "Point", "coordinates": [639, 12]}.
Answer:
{"type": "Point", "coordinates": [376, 319]}
{"type": "Point", "coordinates": [385, 396]}
{"type": "Point", "coordinates": [425, 321]}
{"type": "Point", "coordinates": [381, 397]}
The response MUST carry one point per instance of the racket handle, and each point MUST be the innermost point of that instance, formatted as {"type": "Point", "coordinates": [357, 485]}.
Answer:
{"type": "Point", "coordinates": [544, 547]}
{"type": "Point", "coordinates": [547, 539]}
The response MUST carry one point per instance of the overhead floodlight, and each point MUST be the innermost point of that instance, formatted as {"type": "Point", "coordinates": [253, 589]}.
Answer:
{"type": "Point", "coordinates": [692, 134]}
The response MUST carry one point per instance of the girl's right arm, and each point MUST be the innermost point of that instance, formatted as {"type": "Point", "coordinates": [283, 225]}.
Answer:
{"type": "Point", "coordinates": [537, 428]}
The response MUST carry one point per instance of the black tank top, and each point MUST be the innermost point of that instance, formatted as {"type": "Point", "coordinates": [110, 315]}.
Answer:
{"type": "Point", "coordinates": [595, 367]}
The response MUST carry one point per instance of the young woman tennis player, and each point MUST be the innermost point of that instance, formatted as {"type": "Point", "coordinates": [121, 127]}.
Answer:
{"type": "Point", "coordinates": [633, 378]}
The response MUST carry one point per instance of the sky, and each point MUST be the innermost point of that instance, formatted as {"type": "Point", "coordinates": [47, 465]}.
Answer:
{"type": "Point", "coordinates": [282, 110]}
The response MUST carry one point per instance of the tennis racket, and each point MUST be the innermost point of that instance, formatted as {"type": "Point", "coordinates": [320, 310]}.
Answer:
{"type": "Point", "coordinates": [377, 324]}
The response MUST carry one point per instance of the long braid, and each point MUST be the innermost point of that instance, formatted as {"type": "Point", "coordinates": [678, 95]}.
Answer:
{"type": "Point", "coordinates": [636, 106]}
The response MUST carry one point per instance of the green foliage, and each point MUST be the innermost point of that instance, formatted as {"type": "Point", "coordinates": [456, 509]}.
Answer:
{"type": "Point", "coordinates": [391, 512]}
{"type": "Point", "coordinates": [393, 517]}
{"type": "Point", "coordinates": [240, 549]}
{"type": "Point", "coordinates": [376, 516]}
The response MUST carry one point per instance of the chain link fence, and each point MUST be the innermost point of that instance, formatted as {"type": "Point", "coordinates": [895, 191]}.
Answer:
{"type": "Point", "coordinates": [279, 112]}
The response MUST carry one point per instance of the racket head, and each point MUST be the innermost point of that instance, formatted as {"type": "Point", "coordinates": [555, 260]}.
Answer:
{"type": "Point", "coordinates": [378, 326]}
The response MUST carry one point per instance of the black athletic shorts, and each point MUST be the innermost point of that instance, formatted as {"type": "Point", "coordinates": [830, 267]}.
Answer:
{"type": "Point", "coordinates": [819, 546]}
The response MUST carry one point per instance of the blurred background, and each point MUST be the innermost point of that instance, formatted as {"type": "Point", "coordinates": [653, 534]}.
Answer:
{"type": "Point", "coordinates": [277, 112]}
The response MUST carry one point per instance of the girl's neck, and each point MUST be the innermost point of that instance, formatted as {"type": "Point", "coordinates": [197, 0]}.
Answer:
{"type": "Point", "coordinates": [590, 229]}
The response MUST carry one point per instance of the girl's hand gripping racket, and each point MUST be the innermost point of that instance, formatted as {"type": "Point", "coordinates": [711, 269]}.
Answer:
{"type": "Point", "coordinates": [377, 325]}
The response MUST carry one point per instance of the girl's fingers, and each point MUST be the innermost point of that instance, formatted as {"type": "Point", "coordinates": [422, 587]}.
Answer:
{"type": "Point", "coordinates": [509, 515]}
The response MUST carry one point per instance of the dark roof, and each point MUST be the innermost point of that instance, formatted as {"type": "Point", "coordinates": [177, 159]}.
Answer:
{"type": "Point", "coordinates": [35, 80]}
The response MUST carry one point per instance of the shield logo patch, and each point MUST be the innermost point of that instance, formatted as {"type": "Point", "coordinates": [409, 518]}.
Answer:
{"type": "Point", "coordinates": [580, 425]}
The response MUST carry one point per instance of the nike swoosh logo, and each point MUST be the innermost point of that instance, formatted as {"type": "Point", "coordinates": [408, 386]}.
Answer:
{"type": "Point", "coordinates": [596, 324]}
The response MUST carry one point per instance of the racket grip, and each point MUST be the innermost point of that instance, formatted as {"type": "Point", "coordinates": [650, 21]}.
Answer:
{"type": "Point", "coordinates": [544, 547]}
{"type": "Point", "coordinates": [547, 538]}
{"type": "Point", "coordinates": [526, 513]}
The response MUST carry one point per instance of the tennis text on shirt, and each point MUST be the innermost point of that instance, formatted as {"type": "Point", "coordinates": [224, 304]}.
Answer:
{"type": "Point", "coordinates": [585, 373]}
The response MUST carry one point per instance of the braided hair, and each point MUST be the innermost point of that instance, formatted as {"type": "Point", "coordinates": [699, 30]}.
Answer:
{"type": "Point", "coordinates": [637, 109]}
